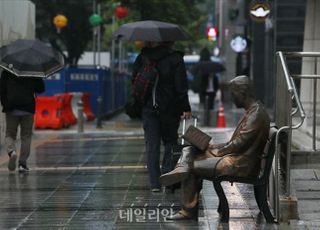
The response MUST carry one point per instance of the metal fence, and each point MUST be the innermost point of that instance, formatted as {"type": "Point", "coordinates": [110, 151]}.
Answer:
{"type": "Point", "coordinates": [100, 83]}
{"type": "Point", "coordinates": [290, 114]}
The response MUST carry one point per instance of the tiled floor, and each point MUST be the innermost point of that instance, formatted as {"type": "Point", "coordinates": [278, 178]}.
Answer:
{"type": "Point", "coordinates": [98, 180]}
{"type": "Point", "coordinates": [84, 182]}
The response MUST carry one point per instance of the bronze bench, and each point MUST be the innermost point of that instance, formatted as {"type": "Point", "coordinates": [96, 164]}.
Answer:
{"type": "Point", "coordinates": [260, 183]}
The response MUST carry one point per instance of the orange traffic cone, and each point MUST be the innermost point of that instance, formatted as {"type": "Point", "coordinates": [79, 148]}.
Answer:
{"type": "Point", "coordinates": [221, 120]}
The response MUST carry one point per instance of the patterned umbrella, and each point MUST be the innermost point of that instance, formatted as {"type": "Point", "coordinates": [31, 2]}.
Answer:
{"type": "Point", "coordinates": [32, 58]}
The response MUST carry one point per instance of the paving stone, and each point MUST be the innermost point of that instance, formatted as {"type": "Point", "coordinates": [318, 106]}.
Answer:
{"type": "Point", "coordinates": [317, 172]}
{"type": "Point", "coordinates": [80, 181]}
{"type": "Point", "coordinates": [307, 185]}
{"type": "Point", "coordinates": [305, 174]}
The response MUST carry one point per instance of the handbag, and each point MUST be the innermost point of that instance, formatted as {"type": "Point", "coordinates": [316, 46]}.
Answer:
{"type": "Point", "coordinates": [133, 109]}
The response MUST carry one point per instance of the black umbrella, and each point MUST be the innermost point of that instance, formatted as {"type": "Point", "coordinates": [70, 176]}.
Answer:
{"type": "Point", "coordinates": [150, 31]}
{"type": "Point", "coordinates": [34, 58]}
{"type": "Point", "coordinates": [207, 67]}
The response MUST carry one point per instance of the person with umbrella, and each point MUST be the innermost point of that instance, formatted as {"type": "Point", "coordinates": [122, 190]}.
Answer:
{"type": "Point", "coordinates": [170, 93]}
{"type": "Point", "coordinates": [25, 63]}
{"type": "Point", "coordinates": [18, 104]}
{"type": "Point", "coordinates": [173, 102]}
{"type": "Point", "coordinates": [206, 76]}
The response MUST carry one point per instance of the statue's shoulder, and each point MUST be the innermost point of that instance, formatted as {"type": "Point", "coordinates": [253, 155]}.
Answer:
{"type": "Point", "coordinates": [263, 112]}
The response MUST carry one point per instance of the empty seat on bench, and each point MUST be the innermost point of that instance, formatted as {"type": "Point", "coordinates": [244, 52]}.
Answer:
{"type": "Point", "coordinates": [259, 183]}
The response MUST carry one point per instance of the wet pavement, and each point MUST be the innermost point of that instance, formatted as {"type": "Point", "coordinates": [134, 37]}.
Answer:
{"type": "Point", "coordinates": [84, 181]}
{"type": "Point", "coordinates": [98, 180]}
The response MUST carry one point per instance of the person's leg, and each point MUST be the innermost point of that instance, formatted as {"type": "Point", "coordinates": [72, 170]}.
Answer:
{"type": "Point", "coordinates": [202, 97]}
{"type": "Point", "coordinates": [169, 132]}
{"type": "Point", "coordinates": [152, 142]}
{"type": "Point", "coordinates": [167, 158]}
{"type": "Point", "coordinates": [26, 125]}
{"type": "Point", "coordinates": [190, 191]}
{"type": "Point", "coordinates": [182, 169]}
{"type": "Point", "coordinates": [204, 166]}
{"type": "Point", "coordinates": [211, 97]}
{"type": "Point", "coordinates": [191, 187]}
{"type": "Point", "coordinates": [12, 123]}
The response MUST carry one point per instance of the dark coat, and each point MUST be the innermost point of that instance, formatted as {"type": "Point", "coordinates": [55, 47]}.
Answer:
{"type": "Point", "coordinates": [172, 88]}
{"type": "Point", "coordinates": [19, 92]}
{"type": "Point", "coordinates": [205, 81]}
{"type": "Point", "coordinates": [246, 144]}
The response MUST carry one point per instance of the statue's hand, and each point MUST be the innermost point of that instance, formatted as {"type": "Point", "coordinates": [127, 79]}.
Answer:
{"type": "Point", "coordinates": [213, 151]}
{"type": "Point", "coordinates": [213, 146]}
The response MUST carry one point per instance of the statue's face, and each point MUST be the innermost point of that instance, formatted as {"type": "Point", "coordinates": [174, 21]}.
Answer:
{"type": "Point", "coordinates": [238, 98]}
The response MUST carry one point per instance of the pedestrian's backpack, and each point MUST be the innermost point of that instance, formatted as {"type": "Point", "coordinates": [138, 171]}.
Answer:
{"type": "Point", "coordinates": [144, 81]}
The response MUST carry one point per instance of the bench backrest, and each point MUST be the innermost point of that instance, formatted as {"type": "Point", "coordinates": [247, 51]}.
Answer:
{"type": "Point", "coordinates": [267, 158]}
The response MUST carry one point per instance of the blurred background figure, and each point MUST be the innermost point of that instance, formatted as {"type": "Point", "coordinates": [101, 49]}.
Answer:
{"type": "Point", "coordinates": [205, 72]}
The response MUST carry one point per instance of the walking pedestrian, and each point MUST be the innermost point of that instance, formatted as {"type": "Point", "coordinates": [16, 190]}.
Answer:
{"type": "Point", "coordinates": [209, 89]}
{"type": "Point", "coordinates": [18, 103]}
{"type": "Point", "coordinates": [209, 82]}
{"type": "Point", "coordinates": [162, 111]}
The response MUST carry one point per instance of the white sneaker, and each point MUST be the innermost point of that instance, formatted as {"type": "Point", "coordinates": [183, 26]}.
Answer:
{"type": "Point", "coordinates": [23, 167]}
{"type": "Point", "coordinates": [12, 161]}
{"type": "Point", "coordinates": [155, 190]}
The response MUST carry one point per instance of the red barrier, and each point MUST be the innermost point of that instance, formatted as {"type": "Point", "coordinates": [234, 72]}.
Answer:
{"type": "Point", "coordinates": [86, 106]}
{"type": "Point", "coordinates": [67, 113]}
{"type": "Point", "coordinates": [48, 112]}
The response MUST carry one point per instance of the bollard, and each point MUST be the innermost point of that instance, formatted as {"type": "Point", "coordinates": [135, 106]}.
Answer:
{"type": "Point", "coordinates": [99, 112]}
{"type": "Point", "coordinates": [80, 116]}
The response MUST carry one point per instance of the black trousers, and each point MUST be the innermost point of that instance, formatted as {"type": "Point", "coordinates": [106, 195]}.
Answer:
{"type": "Point", "coordinates": [157, 128]}
{"type": "Point", "coordinates": [209, 100]}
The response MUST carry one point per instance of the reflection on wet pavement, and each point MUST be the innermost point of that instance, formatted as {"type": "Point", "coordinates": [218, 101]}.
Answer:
{"type": "Point", "coordinates": [94, 181]}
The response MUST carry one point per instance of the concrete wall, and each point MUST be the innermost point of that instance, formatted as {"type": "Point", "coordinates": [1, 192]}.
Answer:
{"type": "Point", "coordinates": [228, 29]}
{"type": "Point", "coordinates": [17, 20]}
{"type": "Point", "coordinates": [87, 59]}
{"type": "Point", "coordinates": [311, 44]}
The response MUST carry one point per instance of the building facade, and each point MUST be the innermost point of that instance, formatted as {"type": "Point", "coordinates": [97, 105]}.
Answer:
{"type": "Point", "coordinates": [17, 20]}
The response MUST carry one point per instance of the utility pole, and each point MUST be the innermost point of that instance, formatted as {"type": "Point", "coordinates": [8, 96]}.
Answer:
{"type": "Point", "coordinates": [94, 35]}
{"type": "Point", "coordinates": [99, 37]}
